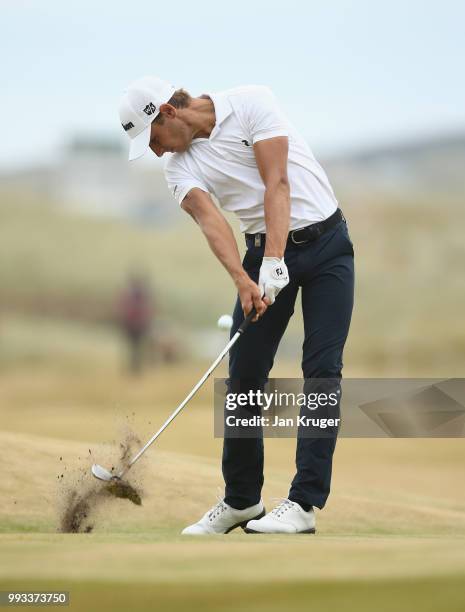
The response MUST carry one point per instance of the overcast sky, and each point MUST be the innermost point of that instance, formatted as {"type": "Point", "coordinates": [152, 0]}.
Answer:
{"type": "Point", "coordinates": [348, 73]}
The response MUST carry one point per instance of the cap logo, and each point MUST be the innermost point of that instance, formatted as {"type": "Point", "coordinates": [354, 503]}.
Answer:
{"type": "Point", "coordinates": [150, 109]}
{"type": "Point", "coordinates": [127, 126]}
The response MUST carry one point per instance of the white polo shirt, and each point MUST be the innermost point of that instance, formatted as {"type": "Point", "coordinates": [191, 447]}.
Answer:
{"type": "Point", "coordinates": [224, 164]}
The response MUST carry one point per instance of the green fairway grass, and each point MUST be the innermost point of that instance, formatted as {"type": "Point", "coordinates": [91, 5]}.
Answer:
{"type": "Point", "coordinates": [404, 595]}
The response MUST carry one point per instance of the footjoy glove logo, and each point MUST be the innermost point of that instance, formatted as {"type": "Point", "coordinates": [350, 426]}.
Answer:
{"type": "Point", "coordinates": [279, 274]}
{"type": "Point", "coordinates": [150, 109]}
{"type": "Point", "coordinates": [127, 126]}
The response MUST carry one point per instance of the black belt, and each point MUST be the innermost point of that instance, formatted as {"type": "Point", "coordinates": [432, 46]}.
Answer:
{"type": "Point", "coordinates": [302, 235]}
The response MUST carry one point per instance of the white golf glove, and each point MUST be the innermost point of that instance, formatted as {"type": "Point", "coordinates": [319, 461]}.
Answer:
{"type": "Point", "coordinates": [273, 277]}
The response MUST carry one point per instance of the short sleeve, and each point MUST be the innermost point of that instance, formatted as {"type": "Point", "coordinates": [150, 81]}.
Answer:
{"type": "Point", "coordinates": [264, 117]}
{"type": "Point", "coordinates": [180, 180]}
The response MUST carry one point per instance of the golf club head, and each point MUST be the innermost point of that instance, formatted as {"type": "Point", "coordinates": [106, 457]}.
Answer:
{"type": "Point", "coordinates": [101, 473]}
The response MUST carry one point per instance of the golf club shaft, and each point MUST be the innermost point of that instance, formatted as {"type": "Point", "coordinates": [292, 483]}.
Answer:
{"type": "Point", "coordinates": [213, 367]}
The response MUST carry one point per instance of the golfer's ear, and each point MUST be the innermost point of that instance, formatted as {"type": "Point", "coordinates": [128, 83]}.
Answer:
{"type": "Point", "coordinates": [168, 110]}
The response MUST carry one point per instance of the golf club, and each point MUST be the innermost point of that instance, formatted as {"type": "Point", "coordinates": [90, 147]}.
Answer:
{"type": "Point", "coordinates": [103, 474]}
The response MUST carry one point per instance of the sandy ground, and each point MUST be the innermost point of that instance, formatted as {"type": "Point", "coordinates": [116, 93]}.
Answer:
{"type": "Point", "coordinates": [393, 529]}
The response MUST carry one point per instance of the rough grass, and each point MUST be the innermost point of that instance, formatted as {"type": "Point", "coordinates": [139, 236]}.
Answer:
{"type": "Point", "coordinates": [62, 264]}
{"type": "Point", "coordinates": [410, 292]}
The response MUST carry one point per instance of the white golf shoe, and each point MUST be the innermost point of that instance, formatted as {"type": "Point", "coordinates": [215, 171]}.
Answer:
{"type": "Point", "coordinates": [223, 519]}
{"type": "Point", "coordinates": [287, 517]}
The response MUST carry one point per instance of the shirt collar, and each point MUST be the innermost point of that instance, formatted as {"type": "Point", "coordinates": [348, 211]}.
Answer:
{"type": "Point", "coordinates": [223, 109]}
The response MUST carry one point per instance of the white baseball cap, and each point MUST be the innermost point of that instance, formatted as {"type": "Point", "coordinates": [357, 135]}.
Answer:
{"type": "Point", "coordinates": [139, 106]}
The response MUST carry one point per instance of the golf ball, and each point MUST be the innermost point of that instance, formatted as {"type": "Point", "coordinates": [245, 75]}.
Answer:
{"type": "Point", "coordinates": [225, 321]}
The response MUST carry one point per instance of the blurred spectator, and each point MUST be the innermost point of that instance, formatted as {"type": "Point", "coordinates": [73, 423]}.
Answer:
{"type": "Point", "coordinates": [136, 314]}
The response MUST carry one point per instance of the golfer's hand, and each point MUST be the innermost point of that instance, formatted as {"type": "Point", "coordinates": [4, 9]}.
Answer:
{"type": "Point", "coordinates": [273, 277]}
{"type": "Point", "coordinates": [250, 296]}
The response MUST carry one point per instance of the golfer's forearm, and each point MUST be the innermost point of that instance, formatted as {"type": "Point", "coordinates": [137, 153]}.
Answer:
{"type": "Point", "coordinates": [222, 242]}
{"type": "Point", "coordinates": [217, 231]}
{"type": "Point", "coordinates": [277, 214]}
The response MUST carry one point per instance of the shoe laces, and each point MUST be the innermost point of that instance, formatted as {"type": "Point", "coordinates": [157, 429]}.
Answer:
{"type": "Point", "coordinates": [217, 510]}
{"type": "Point", "coordinates": [283, 506]}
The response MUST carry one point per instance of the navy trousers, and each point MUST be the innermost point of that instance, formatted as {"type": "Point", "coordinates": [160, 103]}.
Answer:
{"type": "Point", "coordinates": [324, 271]}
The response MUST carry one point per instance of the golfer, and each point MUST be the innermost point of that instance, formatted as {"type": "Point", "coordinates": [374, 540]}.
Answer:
{"type": "Point", "coordinates": [239, 147]}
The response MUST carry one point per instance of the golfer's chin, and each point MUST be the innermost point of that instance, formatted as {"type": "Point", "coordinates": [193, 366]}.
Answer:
{"type": "Point", "coordinates": [181, 148]}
